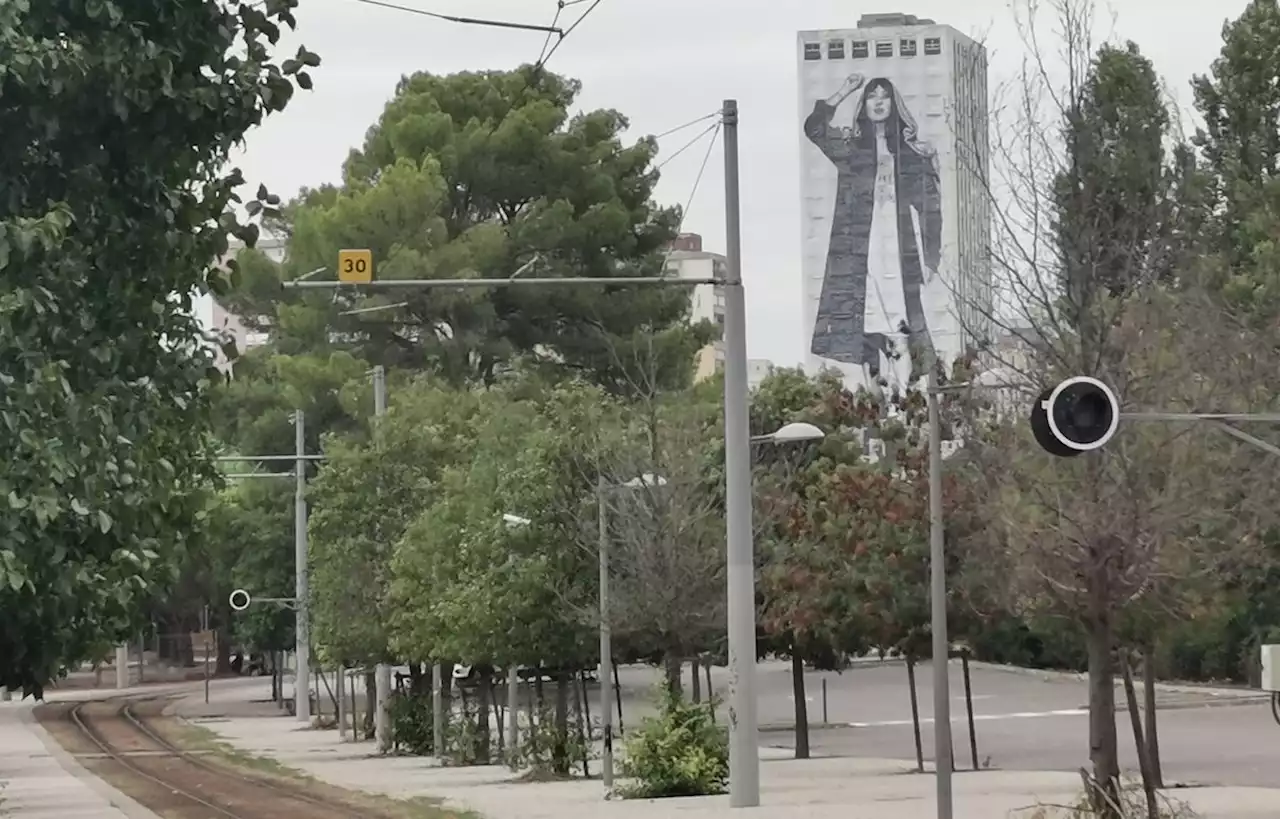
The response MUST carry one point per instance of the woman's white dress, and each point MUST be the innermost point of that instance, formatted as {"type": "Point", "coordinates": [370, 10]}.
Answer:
{"type": "Point", "coordinates": [886, 307]}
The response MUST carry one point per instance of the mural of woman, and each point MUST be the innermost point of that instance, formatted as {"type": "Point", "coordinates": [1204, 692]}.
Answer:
{"type": "Point", "coordinates": [886, 230]}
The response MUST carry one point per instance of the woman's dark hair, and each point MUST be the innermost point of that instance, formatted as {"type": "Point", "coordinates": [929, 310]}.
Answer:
{"type": "Point", "coordinates": [900, 128]}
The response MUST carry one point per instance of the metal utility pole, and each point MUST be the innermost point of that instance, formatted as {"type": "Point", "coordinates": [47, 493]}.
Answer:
{"type": "Point", "coordinates": [606, 647]}
{"type": "Point", "coordinates": [744, 752]}
{"type": "Point", "coordinates": [938, 603]}
{"type": "Point", "coordinates": [382, 671]}
{"type": "Point", "coordinates": [302, 609]}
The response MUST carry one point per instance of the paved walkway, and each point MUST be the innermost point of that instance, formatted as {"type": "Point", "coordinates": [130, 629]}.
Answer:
{"type": "Point", "coordinates": [811, 789]}
{"type": "Point", "coordinates": [41, 781]}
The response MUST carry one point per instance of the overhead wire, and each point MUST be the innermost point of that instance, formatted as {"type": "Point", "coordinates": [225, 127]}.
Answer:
{"type": "Point", "coordinates": [688, 124]}
{"type": "Point", "coordinates": [715, 126]}
{"type": "Point", "coordinates": [546, 43]}
{"type": "Point", "coordinates": [471, 21]}
{"type": "Point", "coordinates": [564, 35]}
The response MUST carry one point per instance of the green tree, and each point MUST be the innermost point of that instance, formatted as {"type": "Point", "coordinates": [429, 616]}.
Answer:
{"type": "Point", "coordinates": [1112, 238]}
{"type": "Point", "coordinates": [366, 495]}
{"type": "Point", "coordinates": [118, 126]}
{"type": "Point", "coordinates": [845, 525]}
{"type": "Point", "coordinates": [1239, 194]}
{"type": "Point", "coordinates": [1110, 198]}
{"type": "Point", "coordinates": [478, 175]}
{"type": "Point", "coordinates": [466, 584]}
{"type": "Point", "coordinates": [1239, 142]}
{"type": "Point", "coordinates": [256, 406]}
{"type": "Point", "coordinates": [251, 531]}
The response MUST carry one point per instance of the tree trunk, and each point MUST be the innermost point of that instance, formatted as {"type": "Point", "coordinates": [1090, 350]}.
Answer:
{"type": "Point", "coordinates": [485, 695]}
{"type": "Point", "coordinates": [370, 701]}
{"type": "Point", "coordinates": [560, 762]}
{"type": "Point", "coordinates": [1149, 697]}
{"type": "Point", "coordinates": [696, 690]}
{"type": "Point", "coordinates": [674, 669]}
{"type": "Point", "coordinates": [915, 712]}
{"type": "Point", "coordinates": [419, 682]}
{"type": "Point", "coordinates": [802, 705]}
{"type": "Point", "coordinates": [1102, 716]}
{"type": "Point", "coordinates": [1139, 741]}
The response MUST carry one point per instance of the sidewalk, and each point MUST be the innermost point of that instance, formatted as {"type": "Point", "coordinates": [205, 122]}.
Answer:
{"type": "Point", "coordinates": [41, 781]}
{"type": "Point", "coordinates": [810, 789]}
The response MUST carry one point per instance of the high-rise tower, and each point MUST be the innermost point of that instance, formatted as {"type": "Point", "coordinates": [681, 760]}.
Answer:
{"type": "Point", "coordinates": [895, 198]}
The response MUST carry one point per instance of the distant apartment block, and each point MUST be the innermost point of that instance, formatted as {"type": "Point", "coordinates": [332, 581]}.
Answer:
{"type": "Point", "coordinates": [687, 260]}
{"type": "Point", "coordinates": [216, 318]}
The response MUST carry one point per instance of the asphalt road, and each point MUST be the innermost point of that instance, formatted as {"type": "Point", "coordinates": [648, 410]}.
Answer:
{"type": "Point", "coordinates": [1023, 722]}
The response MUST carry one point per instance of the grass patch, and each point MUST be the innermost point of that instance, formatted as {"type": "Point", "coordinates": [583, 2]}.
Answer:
{"type": "Point", "coordinates": [192, 737]}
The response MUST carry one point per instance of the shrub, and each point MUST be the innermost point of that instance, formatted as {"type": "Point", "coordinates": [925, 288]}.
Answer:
{"type": "Point", "coordinates": [546, 752]}
{"type": "Point", "coordinates": [681, 752]}
{"type": "Point", "coordinates": [411, 723]}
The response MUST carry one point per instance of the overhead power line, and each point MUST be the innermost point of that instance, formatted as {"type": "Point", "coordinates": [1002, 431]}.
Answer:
{"type": "Point", "coordinates": [561, 6]}
{"type": "Point", "coordinates": [715, 126]}
{"type": "Point", "coordinates": [697, 180]}
{"type": "Point", "coordinates": [688, 124]}
{"type": "Point", "coordinates": [470, 21]}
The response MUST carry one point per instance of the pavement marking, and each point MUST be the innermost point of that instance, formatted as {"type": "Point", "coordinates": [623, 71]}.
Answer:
{"type": "Point", "coordinates": [898, 723]}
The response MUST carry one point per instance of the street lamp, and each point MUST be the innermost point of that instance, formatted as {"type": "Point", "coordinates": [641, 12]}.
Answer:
{"type": "Point", "coordinates": [646, 479]}
{"type": "Point", "coordinates": [795, 432]}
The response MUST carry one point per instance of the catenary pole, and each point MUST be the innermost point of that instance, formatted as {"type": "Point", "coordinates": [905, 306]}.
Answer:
{"type": "Point", "coordinates": [302, 610]}
{"type": "Point", "coordinates": [938, 604]}
{"type": "Point", "coordinates": [744, 759]}
{"type": "Point", "coordinates": [382, 671]}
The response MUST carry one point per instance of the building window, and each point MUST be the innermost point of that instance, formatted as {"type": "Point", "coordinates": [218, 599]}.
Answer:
{"type": "Point", "coordinates": [859, 50]}
{"type": "Point", "coordinates": [884, 48]}
{"type": "Point", "coordinates": [907, 47]}
{"type": "Point", "coordinates": [813, 51]}
{"type": "Point", "coordinates": [932, 46]}
{"type": "Point", "coordinates": [835, 50]}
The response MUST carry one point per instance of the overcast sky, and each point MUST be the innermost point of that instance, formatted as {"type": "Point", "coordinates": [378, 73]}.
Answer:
{"type": "Point", "coordinates": [664, 63]}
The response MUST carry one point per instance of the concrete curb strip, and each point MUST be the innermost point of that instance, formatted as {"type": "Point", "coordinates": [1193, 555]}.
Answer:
{"type": "Point", "coordinates": [125, 804]}
{"type": "Point", "coordinates": [1169, 687]}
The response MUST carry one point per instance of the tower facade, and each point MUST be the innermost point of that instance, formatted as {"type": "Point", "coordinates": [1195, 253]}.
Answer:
{"type": "Point", "coordinates": [895, 202]}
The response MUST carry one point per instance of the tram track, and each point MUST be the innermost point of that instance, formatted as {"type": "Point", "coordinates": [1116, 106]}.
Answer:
{"type": "Point", "coordinates": [176, 781]}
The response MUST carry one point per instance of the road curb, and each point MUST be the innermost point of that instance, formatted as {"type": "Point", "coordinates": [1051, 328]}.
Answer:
{"type": "Point", "coordinates": [117, 799]}
{"type": "Point", "coordinates": [1223, 691]}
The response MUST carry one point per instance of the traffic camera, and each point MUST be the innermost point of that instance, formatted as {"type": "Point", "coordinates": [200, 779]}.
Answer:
{"type": "Point", "coordinates": [1078, 415]}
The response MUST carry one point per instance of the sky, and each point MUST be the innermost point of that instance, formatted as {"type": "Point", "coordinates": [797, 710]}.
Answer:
{"type": "Point", "coordinates": [664, 63]}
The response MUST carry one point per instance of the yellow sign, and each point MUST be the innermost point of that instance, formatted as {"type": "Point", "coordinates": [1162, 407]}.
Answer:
{"type": "Point", "coordinates": [204, 640]}
{"type": "Point", "coordinates": [355, 266]}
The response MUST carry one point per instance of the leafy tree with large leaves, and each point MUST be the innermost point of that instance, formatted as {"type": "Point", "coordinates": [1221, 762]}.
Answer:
{"type": "Point", "coordinates": [480, 175]}
{"type": "Point", "coordinates": [118, 124]}
{"type": "Point", "coordinates": [467, 584]}
{"type": "Point", "coordinates": [366, 495]}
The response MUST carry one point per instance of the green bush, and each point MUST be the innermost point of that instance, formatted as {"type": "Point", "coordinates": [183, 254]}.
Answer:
{"type": "Point", "coordinates": [546, 752]}
{"type": "Point", "coordinates": [1038, 642]}
{"type": "Point", "coordinates": [681, 752]}
{"type": "Point", "coordinates": [411, 723]}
